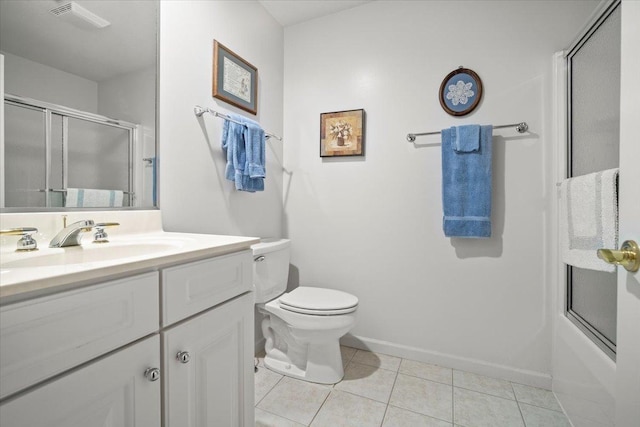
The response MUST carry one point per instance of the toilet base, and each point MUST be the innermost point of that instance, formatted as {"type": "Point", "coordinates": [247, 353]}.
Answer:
{"type": "Point", "coordinates": [324, 364]}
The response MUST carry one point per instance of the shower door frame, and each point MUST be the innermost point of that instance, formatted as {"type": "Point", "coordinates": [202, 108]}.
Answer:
{"type": "Point", "coordinates": [48, 110]}
{"type": "Point", "coordinates": [605, 344]}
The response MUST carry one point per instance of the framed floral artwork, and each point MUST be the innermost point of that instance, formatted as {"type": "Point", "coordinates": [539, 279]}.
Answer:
{"type": "Point", "coordinates": [342, 133]}
{"type": "Point", "coordinates": [460, 92]}
{"type": "Point", "coordinates": [234, 80]}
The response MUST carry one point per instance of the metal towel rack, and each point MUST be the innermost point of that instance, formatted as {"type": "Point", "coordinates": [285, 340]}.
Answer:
{"type": "Point", "coordinates": [199, 111]}
{"type": "Point", "coordinates": [521, 127]}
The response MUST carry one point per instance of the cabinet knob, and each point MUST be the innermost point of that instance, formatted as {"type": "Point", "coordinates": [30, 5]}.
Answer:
{"type": "Point", "coordinates": [152, 374]}
{"type": "Point", "coordinates": [183, 356]}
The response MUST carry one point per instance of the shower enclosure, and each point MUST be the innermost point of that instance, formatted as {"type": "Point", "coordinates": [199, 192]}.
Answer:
{"type": "Point", "coordinates": [50, 148]}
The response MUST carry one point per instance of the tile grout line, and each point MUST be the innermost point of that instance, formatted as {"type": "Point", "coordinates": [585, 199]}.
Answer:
{"type": "Point", "coordinates": [268, 391]}
{"type": "Point", "coordinates": [453, 401]}
{"type": "Point", "coordinates": [390, 394]}
{"type": "Point", "coordinates": [320, 408]}
{"type": "Point", "coordinates": [280, 416]}
{"type": "Point", "coordinates": [524, 423]}
{"type": "Point", "coordinates": [539, 406]}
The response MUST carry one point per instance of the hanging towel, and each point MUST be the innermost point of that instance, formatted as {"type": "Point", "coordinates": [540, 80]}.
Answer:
{"type": "Point", "coordinates": [589, 219]}
{"type": "Point", "coordinates": [467, 138]}
{"type": "Point", "coordinates": [234, 143]}
{"type": "Point", "coordinates": [255, 141]}
{"type": "Point", "coordinates": [92, 198]}
{"type": "Point", "coordinates": [466, 186]}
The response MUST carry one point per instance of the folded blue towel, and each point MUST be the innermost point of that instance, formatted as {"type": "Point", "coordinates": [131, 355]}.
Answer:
{"type": "Point", "coordinates": [233, 145]}
{"type": "Point", "coordinates": [467, 138]}
{"type": "Point", "coordinates": [255, 142]}
{"type": "Point", "coordinates": [466, 186]}
{"type": "Point", "coordinates": [234, 142]}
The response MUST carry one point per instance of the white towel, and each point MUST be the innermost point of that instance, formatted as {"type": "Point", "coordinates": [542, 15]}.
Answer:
{"type": "Point", "coordinates": [589, 219]}
{"type": "Point", "coordinates": [92, 198]}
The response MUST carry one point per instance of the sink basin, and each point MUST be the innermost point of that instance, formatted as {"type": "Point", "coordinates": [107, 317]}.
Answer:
{"type": "Point", "coordinates": [91, 253]}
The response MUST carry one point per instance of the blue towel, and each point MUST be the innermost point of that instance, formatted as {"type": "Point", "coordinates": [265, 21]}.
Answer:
{"type": "Point", "coordinates": [234, 142]}
{"type": "Point", "coordinates": [154, 180]}
{"type": "Point", "coordinates": [255, 142]}
{"type": "Point", "coordinates": [466, 186]}
{"type": "Point", "coordinates": [467, 138]}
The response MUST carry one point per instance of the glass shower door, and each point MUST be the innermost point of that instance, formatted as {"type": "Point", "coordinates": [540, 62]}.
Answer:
{"type": "Point", "coordinates": [99, 156]}
{"type": "Point", "coordinates": [49, 149]}
{"type": "Point", "coordinates": [594, 145]}
{"type": "Point", "coordinates": [25, 156]}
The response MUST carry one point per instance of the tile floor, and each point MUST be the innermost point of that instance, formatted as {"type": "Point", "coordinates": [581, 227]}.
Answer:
{"type": "Point", "coordinates": [386, 391]}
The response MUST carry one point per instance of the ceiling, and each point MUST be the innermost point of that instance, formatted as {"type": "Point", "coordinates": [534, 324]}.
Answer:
{"type": "Point", "coordinates": [291, 12]}
{"type": "Point", "coordinates": [28, 30]}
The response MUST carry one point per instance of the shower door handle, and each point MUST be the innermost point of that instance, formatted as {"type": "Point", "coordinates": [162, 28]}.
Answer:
{"type": "Point", "coordinates": [628, 256]}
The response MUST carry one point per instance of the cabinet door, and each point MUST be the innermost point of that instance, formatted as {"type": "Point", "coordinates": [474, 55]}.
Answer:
{"type": "Point", "coordinates": [110, 392]}
{"type": "Point", "coordinates": [46, 336]}
{"type": "Point", "coordinates": [214, 388]}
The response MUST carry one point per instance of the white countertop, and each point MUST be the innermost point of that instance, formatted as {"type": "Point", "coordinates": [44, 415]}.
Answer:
{"type": "Point", "coordinates": [47, 270]}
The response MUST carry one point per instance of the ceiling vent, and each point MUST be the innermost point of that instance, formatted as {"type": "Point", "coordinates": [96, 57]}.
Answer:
{"type": "Point", "coordinates": [77, 15]}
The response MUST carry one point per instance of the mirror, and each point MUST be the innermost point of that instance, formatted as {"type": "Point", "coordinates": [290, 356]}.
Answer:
{"type": "Point", "coordinates": [79, 104]}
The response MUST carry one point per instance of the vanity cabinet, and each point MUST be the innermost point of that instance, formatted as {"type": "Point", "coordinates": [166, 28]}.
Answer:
{"type": "Point", "coordinates": [178, 340]}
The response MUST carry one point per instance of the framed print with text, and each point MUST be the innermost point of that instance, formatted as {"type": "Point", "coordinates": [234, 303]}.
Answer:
{"type": "Point", "coordinates": [234, 80]}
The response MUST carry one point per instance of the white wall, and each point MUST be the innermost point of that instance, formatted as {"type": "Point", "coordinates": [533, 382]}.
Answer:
{"type": "Point", "coordinates": [372, 226]}
{"type": "Point", "coordinates": [30, 79]}
{"type": "Point", "coordinates": [194, 195]}
{"type": "Point", "coordinates": [2, 131]}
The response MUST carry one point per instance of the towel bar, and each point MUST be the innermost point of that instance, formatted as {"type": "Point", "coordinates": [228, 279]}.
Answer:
{"type": "Point", "coordinates": [521, 127]}
{"type": "Point", "coordinates": [199, 111]}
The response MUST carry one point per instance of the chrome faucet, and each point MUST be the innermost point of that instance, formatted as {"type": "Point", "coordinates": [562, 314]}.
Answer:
{"type": "Point", "coordinates": [71, 235]}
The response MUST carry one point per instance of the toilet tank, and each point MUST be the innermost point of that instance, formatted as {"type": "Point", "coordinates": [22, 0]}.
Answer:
{"type": "Point", "coordinates": [270, 268]}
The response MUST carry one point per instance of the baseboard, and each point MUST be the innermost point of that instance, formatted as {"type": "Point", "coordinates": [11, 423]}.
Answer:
{"type": "Point", "coordinates": [516, 375]}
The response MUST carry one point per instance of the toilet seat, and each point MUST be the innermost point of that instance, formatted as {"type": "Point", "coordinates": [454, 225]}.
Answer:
{"type": "Point", "coordinates": [318, 301]}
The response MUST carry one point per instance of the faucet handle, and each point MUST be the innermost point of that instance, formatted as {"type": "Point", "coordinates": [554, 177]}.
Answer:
{"type": "Point", "coordinates": [26, 242]}
{"type": "Point", "coordinates": [100, 236]}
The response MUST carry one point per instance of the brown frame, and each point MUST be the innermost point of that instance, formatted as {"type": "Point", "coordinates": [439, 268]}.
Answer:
{"type": "Point", "coordinates": [220, 52]}
{"type": "Point", "coordinates": [478, 92]}
{"type": "Point", "coordinates": [353, 145]}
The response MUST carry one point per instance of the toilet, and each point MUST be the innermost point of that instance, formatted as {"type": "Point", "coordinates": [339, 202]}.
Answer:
{"type": "Point", "coordinates": [302, 328]}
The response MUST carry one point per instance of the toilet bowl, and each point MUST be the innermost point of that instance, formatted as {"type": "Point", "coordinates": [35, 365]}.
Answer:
{"type": "Point", "coordinates": [302, 328]}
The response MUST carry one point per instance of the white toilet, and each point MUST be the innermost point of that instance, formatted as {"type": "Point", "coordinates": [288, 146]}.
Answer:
{"type": "Point", "coordinates": [302, 328]}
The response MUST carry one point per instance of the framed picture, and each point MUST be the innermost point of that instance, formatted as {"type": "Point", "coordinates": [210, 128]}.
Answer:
{"type": "Point", "coordinates": [234, 80]}
{"type": "Point", "coordinates": [342, 133]}
{"type": "Point", "coordinates": [460, 92]}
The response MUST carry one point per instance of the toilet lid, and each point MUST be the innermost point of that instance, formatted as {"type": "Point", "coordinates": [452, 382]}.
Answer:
{"type": "Point", "coordinates": [308, 300]}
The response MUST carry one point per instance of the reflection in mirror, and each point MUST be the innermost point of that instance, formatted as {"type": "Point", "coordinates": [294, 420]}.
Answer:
{"type": "Point", "coordinates": [79, 104]}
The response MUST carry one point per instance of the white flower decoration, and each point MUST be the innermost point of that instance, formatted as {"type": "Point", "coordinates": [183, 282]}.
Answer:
{"type": "Point", "coordinates": [460, 92]}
